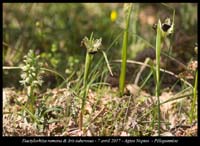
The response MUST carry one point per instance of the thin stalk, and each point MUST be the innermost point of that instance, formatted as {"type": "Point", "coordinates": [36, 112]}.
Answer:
{"type": "Point", "coordinates": [31, 98]}
{"type": "Point", "coordinates": [158, 48]}
{"type": "Point", "coordinates": [192, 112]}
{"type": "Point", "coordinates": [11, 67]}
{"type": "Point", "coordinates": [107, 63]}
{"type": "Point", "coordinates": [88, 61]}
{"type": "Point", "coordinates": [176, 98]}
{"type": "Point", "coordinates": [123, 65]}
{"type": "Point", "coordinates": [146, 80]}
{"type": "Point", "coordinates": [53, 71]}
{"type": "Point", "coordinates": [124, 53]}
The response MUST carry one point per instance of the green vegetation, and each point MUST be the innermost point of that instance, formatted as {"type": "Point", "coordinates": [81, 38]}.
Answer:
{"type": "Point", "coordinates": [31, 77]}
{"type": "Point", "coordinates": [127, 12]}
{"type": "Point", "coordinates": [92, 47]}
{"type": "Point", "coordinates": [58, 82]}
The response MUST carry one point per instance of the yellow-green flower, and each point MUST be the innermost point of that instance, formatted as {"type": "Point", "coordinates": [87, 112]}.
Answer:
{"type": "Point", "coordinates": [113, 15]}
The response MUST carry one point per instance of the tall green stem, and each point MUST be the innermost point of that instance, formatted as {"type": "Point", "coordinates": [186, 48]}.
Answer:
{"type": "Point", "coordinates": [88, 61]}
{"type": "Point", "coordinates": [193, 111]}
{"type": "Point", "coordinates": [124, 52]}
{"type": "Point", "coordinates": [158, 48]}
{"type": "Point", "coordinates": [31, 98]}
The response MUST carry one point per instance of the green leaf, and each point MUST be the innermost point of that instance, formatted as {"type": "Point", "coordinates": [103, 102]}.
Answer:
{"type": "Point", "coordinates": [57, 108]}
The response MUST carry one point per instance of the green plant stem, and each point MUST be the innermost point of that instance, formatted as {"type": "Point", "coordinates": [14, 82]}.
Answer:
{"type": "Point", "coordinates": [53, 71]}
{"type": "Point", "coordinates": [158, 48]}
{"type": "Point", "coordinates": [123, 65]}
{"type": "Point", "coordinates": [124, 54]}
{"type": "Point", "coordinates": [31, 98]}
{"type": "Point", "coordinates": [88, 61]}
{"type": "Point", "coordinates": [192, 112]}
{"type": "Point", "coordinates": [107, 63]}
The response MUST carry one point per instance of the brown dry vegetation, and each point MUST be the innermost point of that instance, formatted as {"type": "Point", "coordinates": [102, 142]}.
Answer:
{"type": "Point", "coordinates": [106, 113]}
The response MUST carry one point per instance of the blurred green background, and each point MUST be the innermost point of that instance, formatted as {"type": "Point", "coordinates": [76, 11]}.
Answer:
{"type": "Point", "coordinates": [55, 31]}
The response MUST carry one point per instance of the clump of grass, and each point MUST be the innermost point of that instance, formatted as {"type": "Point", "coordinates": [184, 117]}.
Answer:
{"type": "Point", "coordinates": [127, 9]}
{"type": "Point", "coordinates": [93, 46]}
{"type": "Point", "coordinates": [31, 77]}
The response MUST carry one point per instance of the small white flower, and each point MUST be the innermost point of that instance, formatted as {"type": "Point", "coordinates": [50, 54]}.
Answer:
{"type": "Point", "coordinates": [97, 43]}
{"type": "Point", "coordinates": [27, 80]}
{"type": "Point", "coordinates": [33, 74]}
